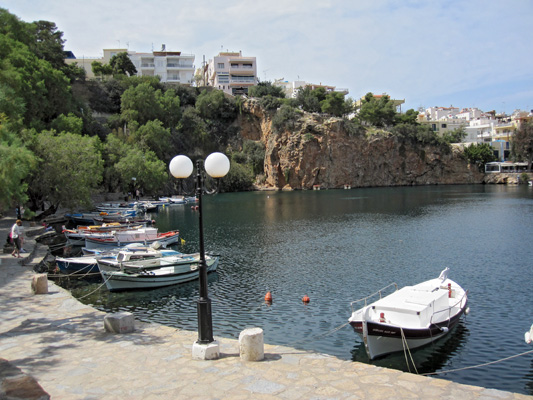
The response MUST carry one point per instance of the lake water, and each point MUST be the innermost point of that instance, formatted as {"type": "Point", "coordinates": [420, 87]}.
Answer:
{"type": "Point", "coordinates": [337, 246]}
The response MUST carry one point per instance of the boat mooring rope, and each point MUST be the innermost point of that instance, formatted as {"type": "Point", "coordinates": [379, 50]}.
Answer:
{"type": "Point", "coordinates": [313, 338]}
{"type": "Point", "coordinates": [478, 366]}
{"type": "Point", "coordinates": [98, 288]}
{"type": "Point", "coordinates": [407, 350]}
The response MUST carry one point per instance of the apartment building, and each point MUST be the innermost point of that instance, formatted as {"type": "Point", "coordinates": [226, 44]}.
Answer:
{"type": "Point", "coordinates": [291, 88]}
{"type": "Point", "coordinates": [170, 66]}
{"type": "Point", "coordinates": [231, 72]}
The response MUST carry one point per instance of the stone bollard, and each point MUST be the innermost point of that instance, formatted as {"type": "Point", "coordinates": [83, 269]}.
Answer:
{"type": "Point", "coordinates": [251, 344]}
{"type": "Point", "coordinates": [121, 322]}
{"type": "Point", "coordinates": [39, 284]}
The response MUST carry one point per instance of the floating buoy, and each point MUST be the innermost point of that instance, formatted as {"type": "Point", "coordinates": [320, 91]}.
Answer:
{"type": "Point", "coordinates": [268, 297]}
{"type": "Point", "coordinates": [192, 207]}
{"type": "Point", "coordinates": [196, 207]}
{"type": "Point", "coordinates": [306, 299]}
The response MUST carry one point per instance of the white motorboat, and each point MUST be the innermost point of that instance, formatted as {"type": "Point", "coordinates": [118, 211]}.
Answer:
{"type": "Point", "coordinates": [153, 273]}
{"type": "Point", "coordinates": [410, 317]}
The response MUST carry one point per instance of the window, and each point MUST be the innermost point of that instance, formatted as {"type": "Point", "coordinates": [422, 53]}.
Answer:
{"type": "Point", "coordinates": [220, 65]}
{"type": "Point", "coordinates": [443, 126]}
{"type": "Point", "coordinates": [434, 127]}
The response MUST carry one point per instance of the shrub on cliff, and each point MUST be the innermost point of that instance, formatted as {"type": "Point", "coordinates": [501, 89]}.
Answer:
{"type": "Point", "coordinates": [285, 118]}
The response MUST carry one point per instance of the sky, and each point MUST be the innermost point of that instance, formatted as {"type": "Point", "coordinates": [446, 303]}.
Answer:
{"type": "Point", "coordinates": [469, 53]}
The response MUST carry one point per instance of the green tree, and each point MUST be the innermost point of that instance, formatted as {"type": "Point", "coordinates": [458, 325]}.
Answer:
{"type": "Point", "coordinates": [215, 105]}
{"type": "Point", "coordinates": [239, 178]}
{"type": "Point", "coordinates": [70, 168]}
{"type": "Point", "coordinates": [170, 108]}
{"type": "Point", "coordinates": [377, 111]}
{"type": "Point", "coordinates": [69, 123]}
{"type": "Point", "coordinates": [100, 69]}
{"type": "Point", "coordinates": [47, 43]}
{"type": "Point", "coordinates": [408, 117]}
{"type": "Point", "coordinates": [479, 154]}
{"type": "Point", "coordinates": [141, 104]}
{"type": "Point", "coordinates": [522, 143]}
{"type": "Point", "coordinates": [334, 104]}
{"type": "Point", "coordinates": [153, 136]}
{"type": "Point", "coordinates": [309, 99]}
{"type": "Point", "coordinates": [16, 162]}
{"type": "Point", "coordinates": [150, 172]}
{"type": "Point", "coordinates": [122, 64]}
{"type": "Point", "coordinates": [266, 88]}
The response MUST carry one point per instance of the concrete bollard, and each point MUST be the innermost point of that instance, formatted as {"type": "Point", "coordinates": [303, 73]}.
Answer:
{"type": "Point", "coordinates": [251, 344]}
{"type": "Point", "coordinates": [39, 284]}
{"type": "Point", "coordinates": [121, 322]}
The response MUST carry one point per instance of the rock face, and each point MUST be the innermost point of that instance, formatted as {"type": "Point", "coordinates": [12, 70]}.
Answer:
{"type": "Point", "coordinates": [320, 152]}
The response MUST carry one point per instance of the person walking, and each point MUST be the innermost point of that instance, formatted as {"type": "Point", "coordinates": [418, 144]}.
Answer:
{"type": "Point", "coordinates": [15, 236]}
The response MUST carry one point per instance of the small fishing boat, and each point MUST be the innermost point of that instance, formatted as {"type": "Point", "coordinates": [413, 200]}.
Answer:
{"type": "Point", "coordinates": [77, 236]}
{"type": "Point", "coordinates": [89, 263]}
{"type": "Point", "coordinates": [153, 273]}
{"type": "Point", "coordinates": [146, 236]}
{"type": "Point", "coordinates": [410, 317]}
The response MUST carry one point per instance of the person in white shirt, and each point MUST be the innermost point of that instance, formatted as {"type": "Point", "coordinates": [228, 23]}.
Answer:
{"type": "Point", "coordinates": [15, 236]}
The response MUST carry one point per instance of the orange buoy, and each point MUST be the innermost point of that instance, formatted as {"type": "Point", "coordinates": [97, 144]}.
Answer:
{"type": "Point", "coordinates": [306, 299]}
{"type": "Point", "coordinates": [268, 297]}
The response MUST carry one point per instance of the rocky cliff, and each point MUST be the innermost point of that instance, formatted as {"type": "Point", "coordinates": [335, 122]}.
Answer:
{"type": "Point", "coordinates": [319, 151]}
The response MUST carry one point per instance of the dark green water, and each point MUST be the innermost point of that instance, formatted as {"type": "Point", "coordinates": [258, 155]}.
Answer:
{"type": "Point", "coordinates": [339, 245]}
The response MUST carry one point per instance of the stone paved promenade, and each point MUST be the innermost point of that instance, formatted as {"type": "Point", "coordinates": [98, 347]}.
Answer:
{"type": "Point", "coordinates": [62, 344]}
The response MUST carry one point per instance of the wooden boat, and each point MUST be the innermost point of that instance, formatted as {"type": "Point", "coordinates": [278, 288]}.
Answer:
{"type": "Point", "coordinates": [154, 273]}
{"type": "Point", "coordinates": [89, 263]}
{"type": "Point", "coordinates": [410, 317]}
{"type": "Point", "coordinates": [77, 236]}
{"type": "Point", "coordinates": [145, 236]}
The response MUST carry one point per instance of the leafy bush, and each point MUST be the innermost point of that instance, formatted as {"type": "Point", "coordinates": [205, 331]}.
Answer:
{"type": "Point", "coordinates": [479, 154]}
{"type": "Point", "coordinates": [285, 119]}
{"type": "Point", "coordinates": [239, 178]}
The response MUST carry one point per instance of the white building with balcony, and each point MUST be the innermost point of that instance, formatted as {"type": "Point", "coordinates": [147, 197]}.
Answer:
{"type": "Point", "coordinates": [170, 66]}
{"type": "Point", "coordinates": [232, 73]}
{"type": "Point", "coordinates": [291, 88]}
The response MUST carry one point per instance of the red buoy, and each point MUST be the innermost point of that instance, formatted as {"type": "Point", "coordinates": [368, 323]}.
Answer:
{"type": "Point", "coordinates": [449, 290]}
{"type": "Point", "coordinates": [382, 317]}
{"type": "Point", "coordinates": [306, 299]}
{"type": "Point", "coordinates": [268, 297]}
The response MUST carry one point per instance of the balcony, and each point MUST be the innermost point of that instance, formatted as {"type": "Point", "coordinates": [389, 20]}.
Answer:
{"type": "Point", "coordinates": [243, 79]}
{"type": "Point", "coordinates": [148, 65]}
{"type": "Point", "coordinates": [179, 66]}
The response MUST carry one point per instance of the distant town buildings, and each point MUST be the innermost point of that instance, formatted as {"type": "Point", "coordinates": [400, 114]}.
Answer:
{"type": "Point", "coordinates": [480, 127]}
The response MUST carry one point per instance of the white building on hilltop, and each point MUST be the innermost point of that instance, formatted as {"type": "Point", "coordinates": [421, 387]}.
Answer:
{"type": "Point", "coordinates": [170, 66]}
{"type": "Point", "coordinates": [291, 88]}
{"type": "Point", "coordinates": [231, 72]}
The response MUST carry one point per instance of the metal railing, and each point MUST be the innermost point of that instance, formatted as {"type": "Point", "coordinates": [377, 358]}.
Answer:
{"type": "Point", "coordinates": [379, 292]}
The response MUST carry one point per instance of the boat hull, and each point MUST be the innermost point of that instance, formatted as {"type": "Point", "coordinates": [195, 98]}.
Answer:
{"type": "Point", "coordinates": [118, 280]}
{"type": "Point", "coordinates": [382, 339]}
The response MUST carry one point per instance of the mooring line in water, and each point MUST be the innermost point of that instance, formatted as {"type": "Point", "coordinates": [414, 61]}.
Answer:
{"type": "Point", "coordinates": [318, 336]}
{"type": "Point", "coordinates": [478, 366]}
{"type": "Point", "coordinates": [98, 288]}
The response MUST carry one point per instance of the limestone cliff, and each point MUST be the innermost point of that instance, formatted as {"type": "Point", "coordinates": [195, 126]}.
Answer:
{"type": "Point", "coordinates": [319, 151]}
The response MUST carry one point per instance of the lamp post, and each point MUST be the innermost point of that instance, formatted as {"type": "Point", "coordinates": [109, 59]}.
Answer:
{"type": "Point", "coordinates": [217, 166]}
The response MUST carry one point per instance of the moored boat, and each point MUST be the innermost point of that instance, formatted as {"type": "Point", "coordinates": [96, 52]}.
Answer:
{"type": "Point", "coordinates": [155, 273]}
{"type": "Point", "coordinates": [89, 263]}
{"type": "Point", "coordinates": [145, 236]}
{"type": "Point", "coordinates": [410, 317]}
